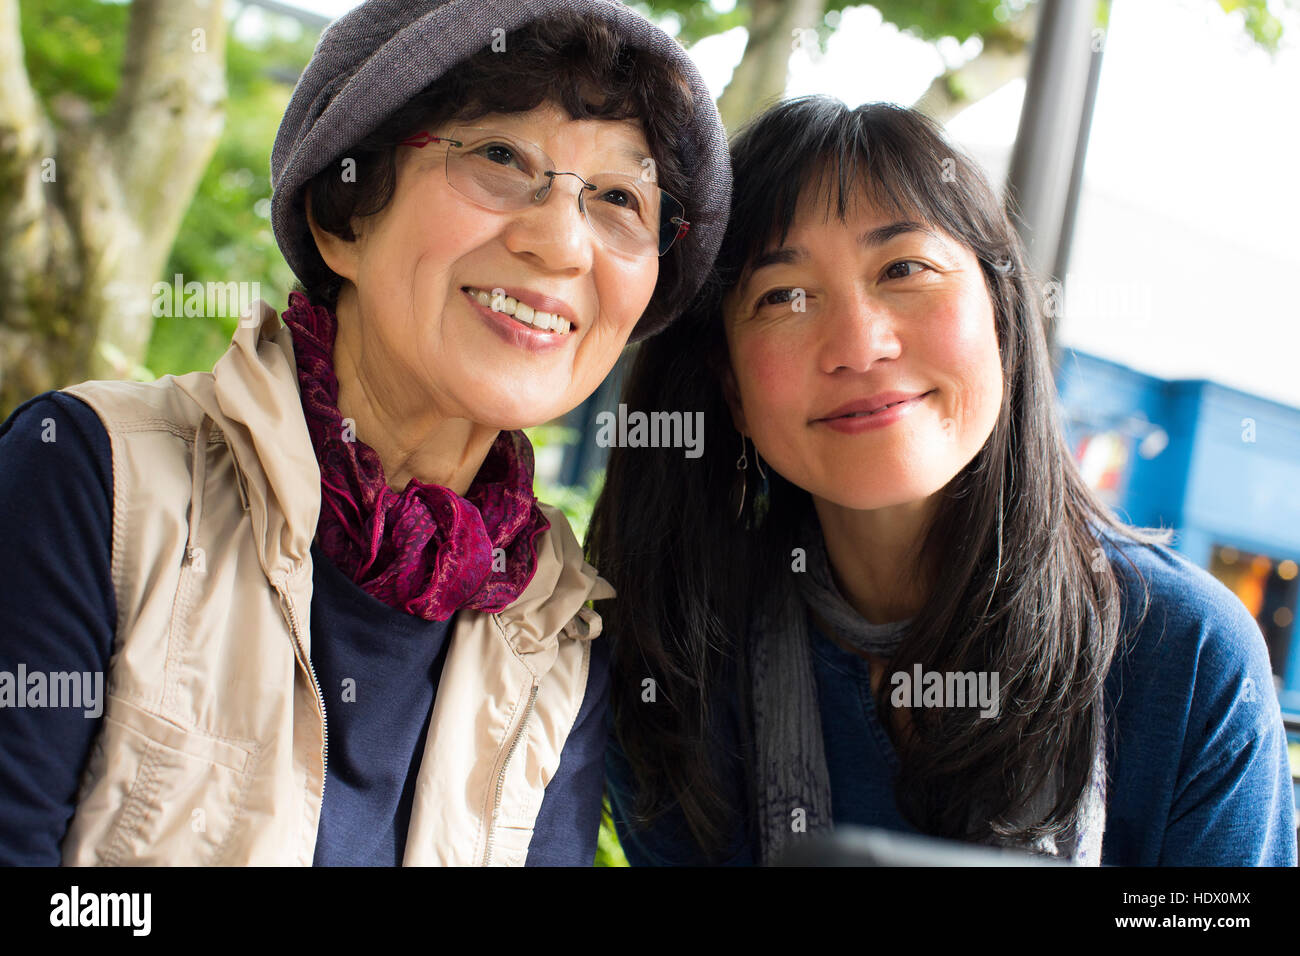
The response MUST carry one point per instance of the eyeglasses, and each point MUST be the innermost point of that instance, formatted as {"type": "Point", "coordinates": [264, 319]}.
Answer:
{"type": "Point", "coordinates": [500, 171]}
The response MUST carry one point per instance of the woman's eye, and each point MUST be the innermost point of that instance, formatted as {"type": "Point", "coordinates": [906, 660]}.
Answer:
{"type": "Point", "coordinates": [775, 297]}
{"type": "Point", "coordinates": [499, 154]}
{"type": "Point", "coordinates": [899, 270]}
{"type": "Point", "coordinates": [621, 197]}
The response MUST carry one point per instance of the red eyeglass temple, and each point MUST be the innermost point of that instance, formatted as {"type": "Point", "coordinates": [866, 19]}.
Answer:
{"type": "Point", "coordinates": [421, 140]}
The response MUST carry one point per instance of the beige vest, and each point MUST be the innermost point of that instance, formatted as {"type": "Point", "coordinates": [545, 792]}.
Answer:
{"type": "Point", "coordinates": [214, 747]}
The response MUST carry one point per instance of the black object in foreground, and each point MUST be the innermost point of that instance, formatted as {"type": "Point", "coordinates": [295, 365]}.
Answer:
{"type": "Point", "coordinates": [872, 846]}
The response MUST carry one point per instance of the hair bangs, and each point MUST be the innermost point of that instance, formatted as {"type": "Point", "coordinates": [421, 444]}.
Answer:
{"type": "Point", "coordinates": [815, 153]}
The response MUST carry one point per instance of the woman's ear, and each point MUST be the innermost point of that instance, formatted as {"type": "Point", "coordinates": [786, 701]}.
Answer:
{"type": "Point", "coordinates": [339, 254]}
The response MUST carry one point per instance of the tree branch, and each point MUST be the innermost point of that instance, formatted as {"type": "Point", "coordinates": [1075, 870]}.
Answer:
{"type": "Point", "coordinates": [26, 140]}
{"type": "Point", "coordinates": [139, 168]}
{"type": "Point", "coordinates": [1004, 57]}
{"type": "Point", "coordinates": [32, 234]}
{"type": "Point", "coordinates": [760, 76]}
{"type": "Point", "coordinates": [168, 114]}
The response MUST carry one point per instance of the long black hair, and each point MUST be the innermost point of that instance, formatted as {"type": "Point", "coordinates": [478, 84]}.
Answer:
{"type": "Point", "coordinates": [1019, 584]}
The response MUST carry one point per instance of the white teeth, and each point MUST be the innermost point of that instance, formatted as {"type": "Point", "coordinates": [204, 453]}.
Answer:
{"type": "Point", "coordinates": [524, 313]}
{"type": "Point", "coordinates": [876, 412]}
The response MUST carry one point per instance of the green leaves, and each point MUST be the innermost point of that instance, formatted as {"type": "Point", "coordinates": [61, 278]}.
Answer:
{"type": "Point", "coordinates": [74, 47]}
{"type": "Point", "coordinates": [1264, 28]}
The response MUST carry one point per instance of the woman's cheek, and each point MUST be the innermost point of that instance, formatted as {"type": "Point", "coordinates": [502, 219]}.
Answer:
{"type": "Point", "coordinates": [625, 289]}
{"type": "Point", "coordinates": [770, 386]}
{"type": "Point", "coordinates": [775, 360]}
{"type": "Point", "coordinates": [964, 349]}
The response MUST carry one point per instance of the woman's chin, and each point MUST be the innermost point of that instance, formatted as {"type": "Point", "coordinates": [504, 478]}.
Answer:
{"type": "Point", "coordinates": [513, 418]}
{"type": "Point", "coordinates": [853, 495]}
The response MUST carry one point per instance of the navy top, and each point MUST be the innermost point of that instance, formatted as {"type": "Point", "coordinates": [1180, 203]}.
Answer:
{"type": "Point", "coordinates": [1196, 750]}
{"type": "Point", "coordinates": [378, 667]}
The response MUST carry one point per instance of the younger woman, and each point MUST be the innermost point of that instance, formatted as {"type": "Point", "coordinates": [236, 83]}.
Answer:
{"type": "Point", "coordinates": [884, 595]}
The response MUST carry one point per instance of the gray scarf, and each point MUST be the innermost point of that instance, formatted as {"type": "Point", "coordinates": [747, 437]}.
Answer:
{"type": "Point", "coordinates": [791, 774]}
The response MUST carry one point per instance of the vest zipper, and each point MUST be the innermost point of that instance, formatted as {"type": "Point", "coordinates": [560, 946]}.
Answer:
{"type": "Point", "coordinates": [501, 775]}
{"type": "Point", "coordinates": [320, 697]}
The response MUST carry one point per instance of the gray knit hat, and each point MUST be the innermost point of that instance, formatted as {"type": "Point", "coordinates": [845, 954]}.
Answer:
{"type": "Point", "coordinates": [371, 61]}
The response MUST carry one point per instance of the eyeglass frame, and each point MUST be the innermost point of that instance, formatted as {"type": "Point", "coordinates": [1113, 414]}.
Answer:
{"type": "Point", "coordinates": [424, 138]}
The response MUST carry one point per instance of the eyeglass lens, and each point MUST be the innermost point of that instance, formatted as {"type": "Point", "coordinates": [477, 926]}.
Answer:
{"type": "Point", "coordinates": [626, 208]}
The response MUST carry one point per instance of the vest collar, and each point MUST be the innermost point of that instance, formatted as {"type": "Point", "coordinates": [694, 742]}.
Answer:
{"type": "Point", "coordinates": [252, 396]}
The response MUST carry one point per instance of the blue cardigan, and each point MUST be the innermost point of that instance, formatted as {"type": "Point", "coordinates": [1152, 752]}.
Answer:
{"type": "Point", "coordinates": [58, 613]}
{"type": "Point", "coordinates": [1197, 751]}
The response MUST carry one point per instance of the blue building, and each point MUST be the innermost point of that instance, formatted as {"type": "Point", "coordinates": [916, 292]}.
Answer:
{"type": "Point", "coordinates": [1219, 466]}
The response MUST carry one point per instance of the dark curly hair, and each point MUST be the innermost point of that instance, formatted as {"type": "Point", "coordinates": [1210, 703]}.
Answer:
{"type": "Point", "coordinates": [582, 65]}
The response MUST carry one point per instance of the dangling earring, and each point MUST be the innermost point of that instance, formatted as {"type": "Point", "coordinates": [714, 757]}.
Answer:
{"type": "Point", "coordinates": [742, 466]}
{"type": "Point", "coordinates": [763, 500]}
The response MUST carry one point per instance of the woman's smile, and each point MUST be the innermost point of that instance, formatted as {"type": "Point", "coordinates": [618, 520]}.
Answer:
{"type": "Point", "coordinates": [868, 415]}
{"type": "Point", "coordinates": [530, 308]}
{"type": "Point", "coordinates": [511, 329]}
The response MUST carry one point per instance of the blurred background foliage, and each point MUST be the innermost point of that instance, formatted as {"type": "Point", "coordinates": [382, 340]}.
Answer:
{"type": "Point", "coordinates": [76, 47]}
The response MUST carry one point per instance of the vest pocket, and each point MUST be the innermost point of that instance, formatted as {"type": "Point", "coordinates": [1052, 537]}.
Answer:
{"type": "Point", "coordinates": [510, 844]}
{"type": "Point", "coordinates": [167, 796]}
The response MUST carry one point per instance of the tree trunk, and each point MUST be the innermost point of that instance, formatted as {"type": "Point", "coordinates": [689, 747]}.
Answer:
{"type": "Point", "coordinates": [759, 78]}
{"type": "Point", "coordinates": [1004, 57]}
{"type": "Point", "coordinates": [89, 207]}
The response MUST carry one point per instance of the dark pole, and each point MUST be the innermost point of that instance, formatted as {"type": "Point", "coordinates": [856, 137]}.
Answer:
{"type": "Point", "coordinates": [1045, 156]}
{"type": "Point", "coordinates": [1061, 267]}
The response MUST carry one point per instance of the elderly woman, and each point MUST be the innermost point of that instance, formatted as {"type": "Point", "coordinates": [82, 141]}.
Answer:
{"type": "Point", "coordinates": [884, 596]}
{"type": "Point", "coordinates": [484, 203]}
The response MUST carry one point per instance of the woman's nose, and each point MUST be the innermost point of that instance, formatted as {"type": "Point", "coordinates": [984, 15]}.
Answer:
{"type": "Point", "coordinates": [857, 332]}
{"type": "Point", "coordinates": [554, 229]}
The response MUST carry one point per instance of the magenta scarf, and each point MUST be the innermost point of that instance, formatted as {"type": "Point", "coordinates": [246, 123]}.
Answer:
{"type": "Point", "coordinates": [426, 551]}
